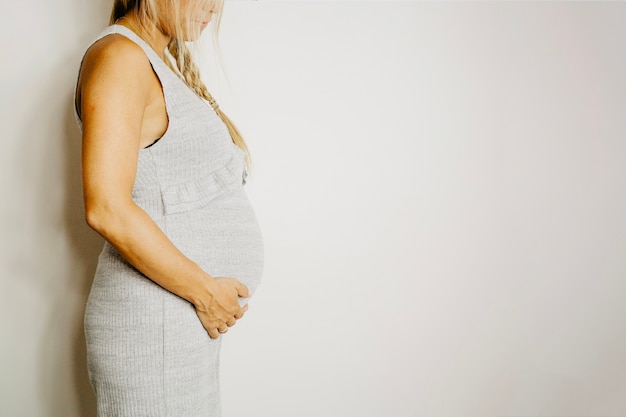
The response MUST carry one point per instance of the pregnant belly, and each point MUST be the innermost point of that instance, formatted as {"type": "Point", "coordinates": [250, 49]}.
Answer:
{"type": "Point", "coordinates": [223, 238]}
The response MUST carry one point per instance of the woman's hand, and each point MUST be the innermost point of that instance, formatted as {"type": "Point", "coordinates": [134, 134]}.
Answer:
{"type": "Point", "coordinates": [222, 310]}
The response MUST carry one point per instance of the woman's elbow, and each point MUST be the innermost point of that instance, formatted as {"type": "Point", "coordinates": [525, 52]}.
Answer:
{"type": "Point", "coordinates": [108, 217]}
{"type": "Point", "coordinates": [103, 218]}
{"type": "Point", "coordinates": [93, 217]}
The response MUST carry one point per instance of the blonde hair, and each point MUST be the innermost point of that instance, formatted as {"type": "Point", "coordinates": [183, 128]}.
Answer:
{"type": "Point", "coordinates": [149, 14]}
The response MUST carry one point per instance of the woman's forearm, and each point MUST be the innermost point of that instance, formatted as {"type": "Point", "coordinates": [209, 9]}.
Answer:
{"type": "Point", "coordinates": [141, 242]}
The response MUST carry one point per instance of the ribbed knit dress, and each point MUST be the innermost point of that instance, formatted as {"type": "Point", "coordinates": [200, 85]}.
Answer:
{"type": "Point", "coordinates": [148, 354]}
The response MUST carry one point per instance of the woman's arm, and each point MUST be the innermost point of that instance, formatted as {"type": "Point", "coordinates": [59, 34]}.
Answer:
{"type": "Point", "coordinates": [115, 86]}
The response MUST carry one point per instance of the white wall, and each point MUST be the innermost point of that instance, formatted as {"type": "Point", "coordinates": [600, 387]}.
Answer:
{"type": "Point", "coordinates": [441, 188]}
{"type": "Point", "coordinates": [47, 253]}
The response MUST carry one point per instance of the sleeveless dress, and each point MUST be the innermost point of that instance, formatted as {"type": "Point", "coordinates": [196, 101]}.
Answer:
{"type": "Point", "coordinates": [148, 354]}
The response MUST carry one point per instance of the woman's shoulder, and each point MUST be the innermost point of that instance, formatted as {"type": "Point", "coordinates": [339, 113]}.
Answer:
{"type": "Point", "coordinates": [116, 50]}
{"type": "Point", "coordinates": [113, 65]}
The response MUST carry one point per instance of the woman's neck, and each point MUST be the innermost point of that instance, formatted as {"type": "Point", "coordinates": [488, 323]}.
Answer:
{"type": "Point", "coordinates": [149, 32]}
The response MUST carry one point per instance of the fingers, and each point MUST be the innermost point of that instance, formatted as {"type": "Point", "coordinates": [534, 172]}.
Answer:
{"type": "Point", "coordinates": [213, 333]}
{"type": "Point", "coordinates": [215, 329]}
{"type": "Point", "coordinates": [242, 289]}
{"type": "Point", "coordinates": [241, 312]}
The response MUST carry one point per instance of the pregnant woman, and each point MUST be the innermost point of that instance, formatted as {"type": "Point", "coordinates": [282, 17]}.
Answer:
{"type": "Point", "coordinates": [163, 175]}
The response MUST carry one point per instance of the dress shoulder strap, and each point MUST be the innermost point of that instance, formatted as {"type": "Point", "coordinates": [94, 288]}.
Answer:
{"type": "Point", "coordinates": [155, 59]}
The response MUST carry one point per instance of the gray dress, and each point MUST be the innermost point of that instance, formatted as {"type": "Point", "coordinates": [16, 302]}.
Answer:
{"type": "Point", "coordinates": [148, 354]}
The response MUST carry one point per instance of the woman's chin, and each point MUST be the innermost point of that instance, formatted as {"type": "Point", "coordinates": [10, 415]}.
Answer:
{"type": "Point", "coordinates": [196, 32]}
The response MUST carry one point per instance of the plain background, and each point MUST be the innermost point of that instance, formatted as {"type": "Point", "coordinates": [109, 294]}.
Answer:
{"type": "Point", "coordinates": [441, 187]}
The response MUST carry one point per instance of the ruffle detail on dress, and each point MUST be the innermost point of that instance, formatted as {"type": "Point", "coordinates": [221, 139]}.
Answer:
{"type": "Point", "coordinates": [194, 194]}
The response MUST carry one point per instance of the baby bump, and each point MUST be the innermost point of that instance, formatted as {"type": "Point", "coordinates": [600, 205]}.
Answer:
{"type": "Point", "coordinates": [223, 238]}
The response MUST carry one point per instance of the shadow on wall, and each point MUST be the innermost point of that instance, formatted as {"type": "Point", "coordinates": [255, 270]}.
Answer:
{"type": "Point", "coordinates": [64, 389]}
{"type": "Point", "coordinates": [85, 245]}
